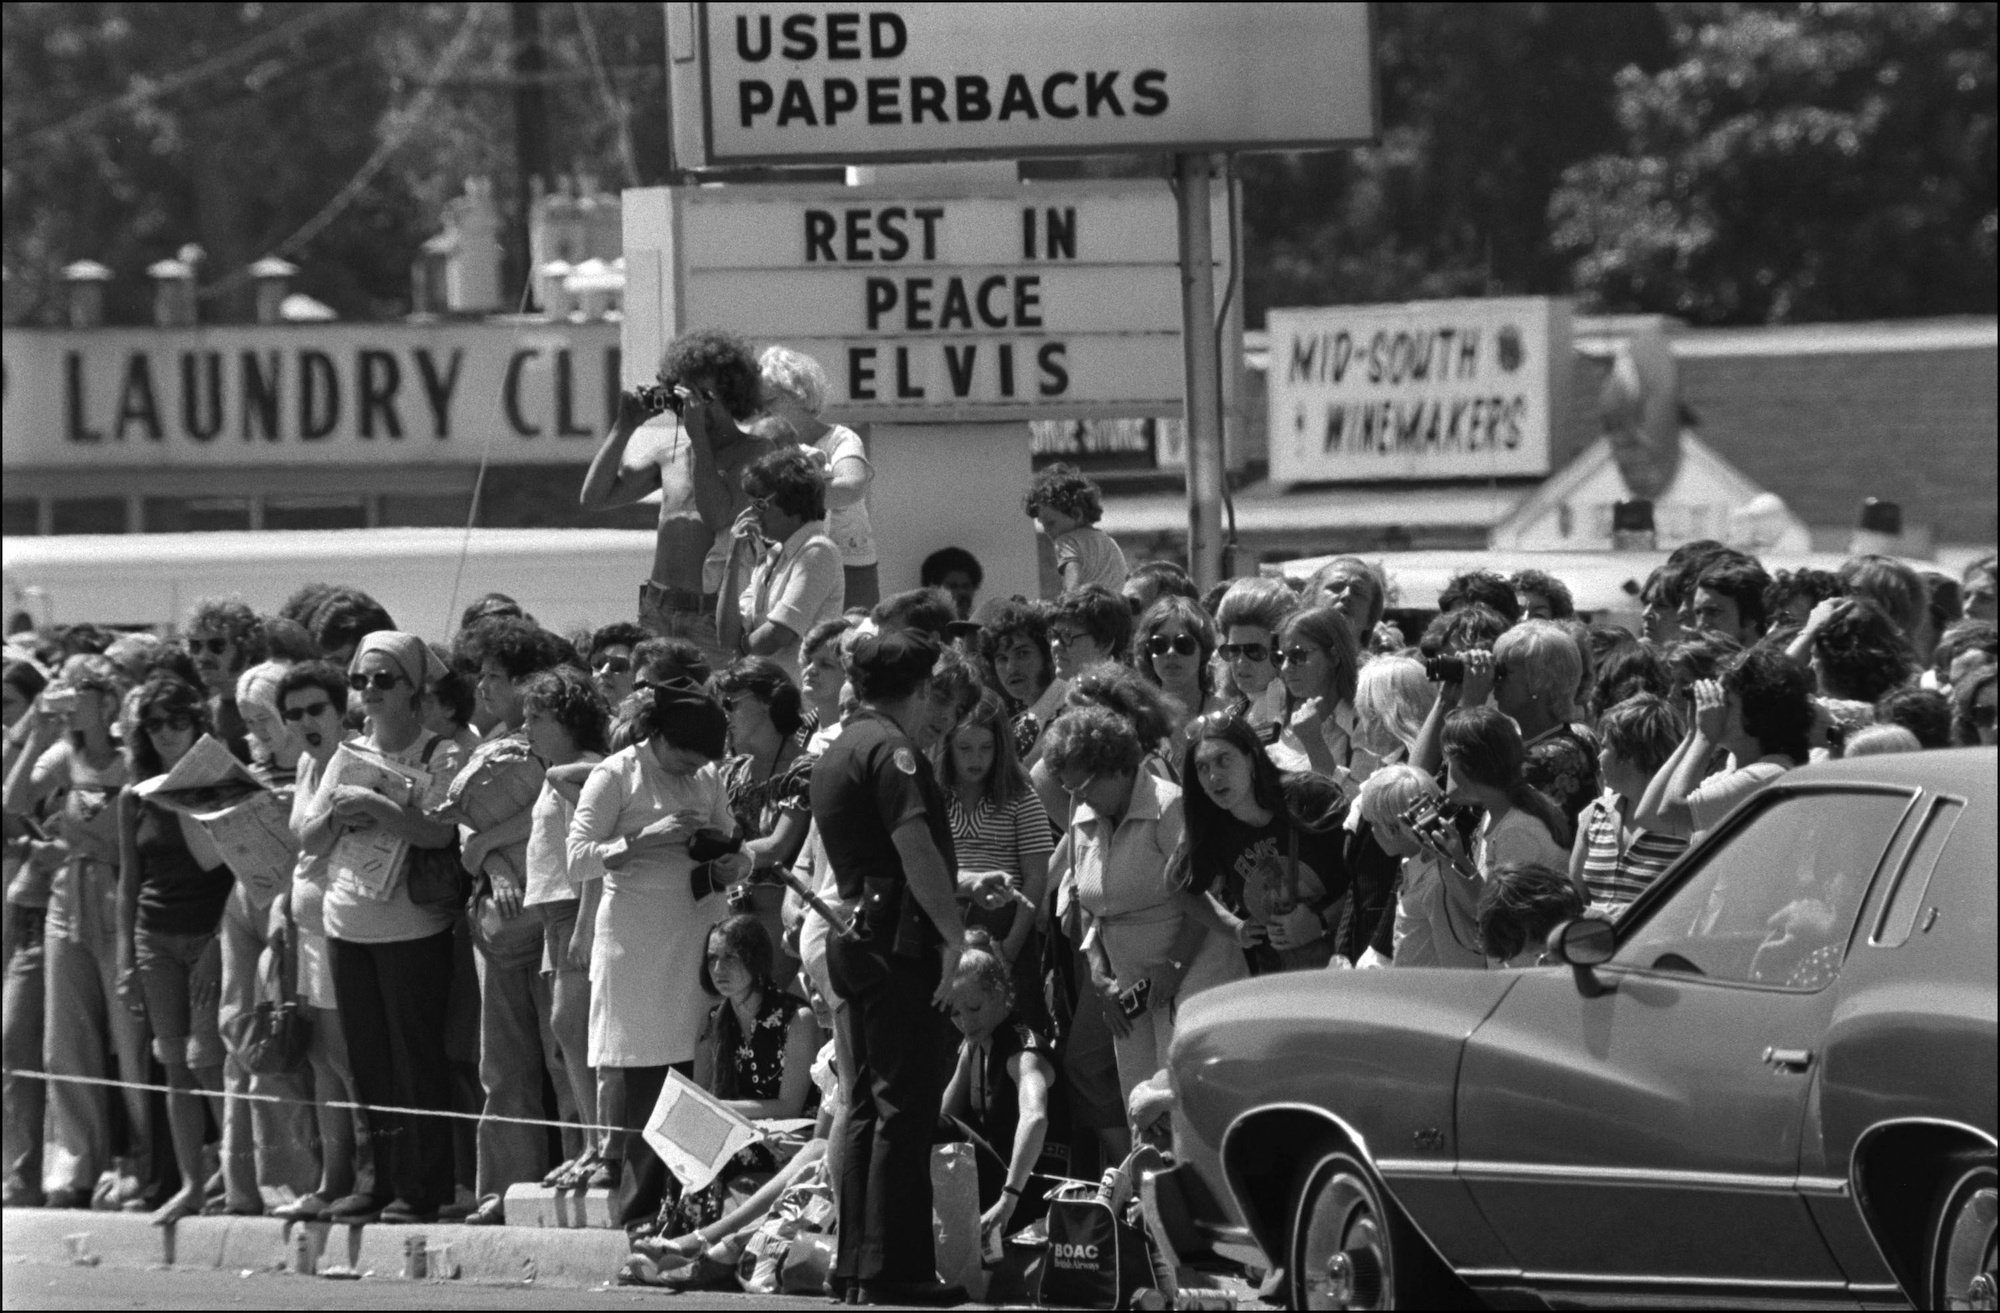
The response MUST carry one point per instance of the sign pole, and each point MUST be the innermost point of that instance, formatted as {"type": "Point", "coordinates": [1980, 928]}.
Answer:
{"type": "Point", "coordinates": [1203, 371]}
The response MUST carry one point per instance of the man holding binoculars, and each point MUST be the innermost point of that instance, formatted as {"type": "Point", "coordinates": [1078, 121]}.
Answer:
{"type": "Point", "coordinates": [708, 379]}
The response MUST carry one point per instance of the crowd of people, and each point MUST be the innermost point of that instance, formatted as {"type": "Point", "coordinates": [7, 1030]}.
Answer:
{"type": "Point", "coordinates": [772, 837]}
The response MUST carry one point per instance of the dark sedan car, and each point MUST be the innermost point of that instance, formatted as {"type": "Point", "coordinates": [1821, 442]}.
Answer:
{"type": "Point", "coordinates": [1773, 1082]}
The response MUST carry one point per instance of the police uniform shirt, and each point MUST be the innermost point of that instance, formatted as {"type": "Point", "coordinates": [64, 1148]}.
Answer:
{"type": "Point", "coordinates": [870, 781]}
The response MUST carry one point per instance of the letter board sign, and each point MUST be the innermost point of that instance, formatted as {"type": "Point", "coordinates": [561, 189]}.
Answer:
{"type": "Point", "coordinates": [1036, 301]}
{"type": "Point", "coordinates": [832, 84]}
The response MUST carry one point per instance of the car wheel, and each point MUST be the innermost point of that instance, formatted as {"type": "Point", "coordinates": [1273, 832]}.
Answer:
{"type": "Point", "coordinates": [1962, 1265]}
{"type": "Point", "coordinates": [1352, 1248]}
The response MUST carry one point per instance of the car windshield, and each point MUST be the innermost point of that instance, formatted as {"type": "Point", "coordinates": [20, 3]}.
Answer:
{"type": "Point", "coordinates": [1773, 905]}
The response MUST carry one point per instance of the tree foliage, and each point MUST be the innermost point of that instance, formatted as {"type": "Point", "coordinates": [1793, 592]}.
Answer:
{"type": "Point", "coordinates": [1796, 163]}
{"type": "Point", "coordinates": [1726, 163]}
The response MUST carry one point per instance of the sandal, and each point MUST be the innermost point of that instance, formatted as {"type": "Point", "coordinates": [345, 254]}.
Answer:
{"type": "Point", "coordinates": [604, 1174]}
{"type": "Point", "coordinates": [307, 1208]}
{"type": "Point", "coordinates": [177, 1209]}
{"type": "Point", "coordinates": [562, 1171]}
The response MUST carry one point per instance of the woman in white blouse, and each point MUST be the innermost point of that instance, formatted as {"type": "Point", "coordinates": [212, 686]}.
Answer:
{"type": "Point", "coordinates": [639, 809]}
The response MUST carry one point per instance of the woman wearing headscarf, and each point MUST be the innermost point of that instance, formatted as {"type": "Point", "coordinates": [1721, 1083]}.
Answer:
{"type": "Point", "coordinates": [262, 1143]}
{"type": "Point", "coordinates": [638, 812]}
{"type": "Point", "coordinates": [391, 955]}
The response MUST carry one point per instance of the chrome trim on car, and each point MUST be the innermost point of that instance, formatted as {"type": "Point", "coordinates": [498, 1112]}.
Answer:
{"type": "Point", "coordinates": [1699, 1283]}
{"type": "Point", "coordinates": [1648, 1176]}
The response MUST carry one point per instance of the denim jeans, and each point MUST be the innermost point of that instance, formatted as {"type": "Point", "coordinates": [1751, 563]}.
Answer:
{"type": "Point", "coordinates": [23, 1099]}
{"type": "Point", "coordinates": [85, 1017]}
{"type": "Point", "coordinates": [516, 1045]}
{"type": "Point", "coordinates": [263, 1144]}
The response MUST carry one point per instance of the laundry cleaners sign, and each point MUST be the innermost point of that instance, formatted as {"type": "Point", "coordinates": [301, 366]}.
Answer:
{"type": "Point", "coordinates": [798, 83]}
{"type": "Point", "coordinates": [1058, 301]}
{"type": "Point", "coordinates": [308, 395]}
{"type": "Point", "coordinates": [1422, 390]}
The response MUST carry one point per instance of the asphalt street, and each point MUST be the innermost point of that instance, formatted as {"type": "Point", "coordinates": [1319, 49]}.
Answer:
{"type": "Point", "coordinates": [33, 1285]}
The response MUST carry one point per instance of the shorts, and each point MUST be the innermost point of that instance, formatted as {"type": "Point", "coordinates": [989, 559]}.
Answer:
{"type": "Point", "coordinates": [558, 924]}
{"type": "Point", "coordinates": [679, 613]}
{"type": "Point", "coordinates": [173, 970]}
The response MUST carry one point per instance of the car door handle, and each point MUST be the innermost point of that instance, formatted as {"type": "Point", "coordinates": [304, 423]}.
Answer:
{"type": "Point", "coordinates": [1788, 1059]}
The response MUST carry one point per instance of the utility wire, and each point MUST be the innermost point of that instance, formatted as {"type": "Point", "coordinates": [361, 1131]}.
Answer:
{"type": "Point", "coordinates": [621, 116]}
{"type": "Point", "coordinates": [150, 90]}
{"type": "Point", "coordinates": [408, 122]}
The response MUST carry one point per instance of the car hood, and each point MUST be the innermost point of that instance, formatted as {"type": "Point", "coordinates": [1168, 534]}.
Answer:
{"type": "Point", "coordinates": [1379, 1049]}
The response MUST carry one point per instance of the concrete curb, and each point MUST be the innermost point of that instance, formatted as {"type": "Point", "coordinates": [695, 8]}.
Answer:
{"type": "Point", "coordinates": [569, 1259]}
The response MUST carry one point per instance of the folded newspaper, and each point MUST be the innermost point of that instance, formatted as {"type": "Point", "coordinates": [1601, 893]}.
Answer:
{"type": "Point", "coordinates": [696, 1134]}
{"type": "Point", "coordinates": [249, 824]}
{"type": "Point", "coordinates": [366, 861]}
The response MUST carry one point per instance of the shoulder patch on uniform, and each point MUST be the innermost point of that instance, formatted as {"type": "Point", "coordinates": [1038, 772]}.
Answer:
{"type": "Point", "coordinates": [906, 761]}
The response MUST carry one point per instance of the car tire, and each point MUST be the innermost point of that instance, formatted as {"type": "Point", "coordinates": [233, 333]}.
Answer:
{"type": "Point", "coordinates": [1959, 1271]}
{"type": "Point", "coordinates": [1352, 1248]}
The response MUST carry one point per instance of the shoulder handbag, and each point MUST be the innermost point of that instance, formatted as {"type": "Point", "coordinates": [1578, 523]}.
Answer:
{"type": "Point", "coordinates": [269, 1037]}
{"type": "Point", "coordinates": [436, 878]}
{"type": "Point", "coordinates": [1305, 957]}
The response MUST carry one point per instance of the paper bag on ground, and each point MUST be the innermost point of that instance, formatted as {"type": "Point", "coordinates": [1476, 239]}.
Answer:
{"type": "Point", "coordinates": [366, 860]}
{"type": "Point", "coordinates": [695, 1133]}
{"type": "Point", "coordinates": [255, 837]}
{"type": "Point", "coordinates": [208, 778]}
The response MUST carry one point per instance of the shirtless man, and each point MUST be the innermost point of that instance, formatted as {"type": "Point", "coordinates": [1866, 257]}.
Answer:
{"type": "Point", "coordinates": [714, 376]}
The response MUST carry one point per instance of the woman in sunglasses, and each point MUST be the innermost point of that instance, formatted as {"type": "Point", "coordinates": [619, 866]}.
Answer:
{"type": "Point", "coordinates": [1320, 663]}
{"type": "Point", "coordinates": [1171, 646]}
{"type": "Point", "coordinates": [1249, 616]}
{"type": "Point", "coordinates": [392, 956]}
{"type": "Point", "coordinates": [72, 762]}
{"type": "Point", "coordinates": [172, 885]}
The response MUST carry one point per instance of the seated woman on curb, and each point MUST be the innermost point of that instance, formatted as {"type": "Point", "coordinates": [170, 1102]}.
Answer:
{"type": "Point", "coordinates": [755, 1054]}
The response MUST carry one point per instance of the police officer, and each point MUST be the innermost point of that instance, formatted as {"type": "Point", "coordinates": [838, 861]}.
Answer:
{"type": "Point", "coordinates": [882, 819]}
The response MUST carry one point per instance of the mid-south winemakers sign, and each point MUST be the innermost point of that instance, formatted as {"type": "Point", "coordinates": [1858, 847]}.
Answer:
{"type": "Point", "coordinates": [777, 83]}
{"type": "Point", "coordinates": [1423, 390]}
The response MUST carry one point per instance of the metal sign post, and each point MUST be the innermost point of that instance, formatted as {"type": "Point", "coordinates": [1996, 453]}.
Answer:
{"type": "Point", "coordinates": [1203, 368]}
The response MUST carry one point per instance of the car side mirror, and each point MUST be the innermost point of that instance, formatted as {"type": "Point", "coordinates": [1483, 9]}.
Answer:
{"type": "Point", "coordinates": [1582, 943]}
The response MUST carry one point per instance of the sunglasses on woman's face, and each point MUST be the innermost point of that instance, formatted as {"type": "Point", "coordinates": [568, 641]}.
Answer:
{"type": "Point", "coordinates": [1293, 654]}
{"type": "Point", "coordinates": [212, 646]}
{"type": "Point", "coordinates": [1184, 644]}
{"type": "Point", "coordinates": [613, 665]}
{"type": "Point", "coordinates": [1254, 653]}
{"type": "Point", "coordinates": [296, 714]}
{"type": "Point", "coordinates": [167, 724]}
{"type": "Point", "coordinates": [381, 681]}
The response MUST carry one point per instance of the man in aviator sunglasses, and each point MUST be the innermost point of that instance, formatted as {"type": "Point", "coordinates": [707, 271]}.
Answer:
{"type": "Point", "coordinates": [225, 638]}
{"type": "Point", "coordinates": [610, 660]}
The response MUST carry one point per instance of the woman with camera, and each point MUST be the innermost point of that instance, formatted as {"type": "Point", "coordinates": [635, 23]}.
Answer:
{"type": "Point", "coordinates": [70, 760]}
{"type": "Point", "coordinates": [1143, 947]}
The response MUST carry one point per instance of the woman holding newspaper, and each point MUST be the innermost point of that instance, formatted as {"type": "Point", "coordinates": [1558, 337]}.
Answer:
{"type": "Point", "coordinates": [391, 953]}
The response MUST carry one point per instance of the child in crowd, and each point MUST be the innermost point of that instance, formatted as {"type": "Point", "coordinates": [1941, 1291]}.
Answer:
{"type": "Point", "coordinates": [1067, 506]}
{"type": "Point", "coordinates": [1437, 907]}
{"type": "Point", "coordinates": [1000, 831]}
{"type": "Point", "coordinates": [1518, 906]}
{"type": "Point", "coordinates": [1002, 1085]}
{"type": "Point", "coordinates": [1614, 858]}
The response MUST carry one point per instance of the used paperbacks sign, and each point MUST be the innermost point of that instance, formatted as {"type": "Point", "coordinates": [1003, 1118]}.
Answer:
{"type": "Point", "coordinates": [816, 83]}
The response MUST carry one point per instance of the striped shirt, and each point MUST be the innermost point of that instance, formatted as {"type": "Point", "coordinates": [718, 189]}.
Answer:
{"type": "Point", "coordinates": [997, 838]}
{"type": "Point", "coordinates": [1616, 872]}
